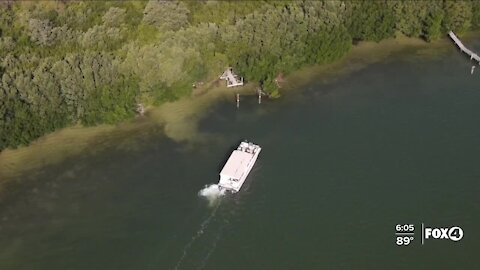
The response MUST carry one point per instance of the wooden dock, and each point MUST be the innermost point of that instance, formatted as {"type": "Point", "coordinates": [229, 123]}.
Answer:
{"type": "Point", "coordinates": [231, 78]}
{"type": "Point", "coordinates": [462, 47]}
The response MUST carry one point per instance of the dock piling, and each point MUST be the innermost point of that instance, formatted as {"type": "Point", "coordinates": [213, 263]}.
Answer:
{"type": "Point", "coordinates": [238, 100]}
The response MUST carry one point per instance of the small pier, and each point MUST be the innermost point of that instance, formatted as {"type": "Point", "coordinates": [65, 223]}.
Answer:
{"type": "Point", "coordinates": [462, 47]}
{"type": "Point", "coordinates": [231, 78]}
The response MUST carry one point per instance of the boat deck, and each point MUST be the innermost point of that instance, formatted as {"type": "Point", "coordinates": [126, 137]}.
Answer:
{"type": "Point", "coordinates": [237, 164]}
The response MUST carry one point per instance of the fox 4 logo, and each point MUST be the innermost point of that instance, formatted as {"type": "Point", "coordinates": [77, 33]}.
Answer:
{"type": "Point", "coordinates": [453, 233]}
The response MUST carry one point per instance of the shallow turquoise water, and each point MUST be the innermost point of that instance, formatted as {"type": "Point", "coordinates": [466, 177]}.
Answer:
{"type": "Point", "coordinates": [343, 162]}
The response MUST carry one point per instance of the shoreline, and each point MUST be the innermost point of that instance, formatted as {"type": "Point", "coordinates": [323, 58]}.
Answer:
{"type": "Point", "coordinates": [360, 57]}
{"type": "Point", "coordinates": [179, 120]}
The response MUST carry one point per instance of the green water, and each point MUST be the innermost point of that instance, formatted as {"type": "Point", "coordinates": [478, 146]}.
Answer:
{"type": "Point", "coordinates": [343, 162]}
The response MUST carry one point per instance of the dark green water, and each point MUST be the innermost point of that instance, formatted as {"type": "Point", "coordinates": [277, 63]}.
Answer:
{"type": "Point", "coordinates": [343, 162]}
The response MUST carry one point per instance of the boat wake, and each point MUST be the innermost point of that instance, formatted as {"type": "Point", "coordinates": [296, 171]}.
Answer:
{"type": "Point", "coordinates": [211, 249]}
{"type": "Point", "coordinates": [212, 193]}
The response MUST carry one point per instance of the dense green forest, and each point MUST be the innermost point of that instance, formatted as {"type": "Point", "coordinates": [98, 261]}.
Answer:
{"type": "Point", "coordinates": [90, 62]}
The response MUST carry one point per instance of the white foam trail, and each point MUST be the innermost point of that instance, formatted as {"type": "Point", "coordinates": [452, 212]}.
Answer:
{"type": "Point", "coordinates": [199, 233]}
{"type": "Point", "coordinates": [212, 248]}
{"type": "Point", "coordinates": [212, 192]}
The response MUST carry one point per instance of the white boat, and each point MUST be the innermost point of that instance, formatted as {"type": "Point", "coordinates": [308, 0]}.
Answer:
{"type": "Point", "coordinates": [238, 166]}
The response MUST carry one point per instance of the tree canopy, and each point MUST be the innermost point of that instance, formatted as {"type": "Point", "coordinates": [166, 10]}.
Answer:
{"type": "Point", "coordinates": [90, 62]}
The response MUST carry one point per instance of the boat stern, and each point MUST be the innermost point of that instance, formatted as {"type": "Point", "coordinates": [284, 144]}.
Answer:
{"type": "Point", "coordinates": [227, 183]}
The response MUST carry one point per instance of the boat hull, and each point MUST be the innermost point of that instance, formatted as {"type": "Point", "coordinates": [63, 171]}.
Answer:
{"type": "Point", "coordinates": [238, 167]}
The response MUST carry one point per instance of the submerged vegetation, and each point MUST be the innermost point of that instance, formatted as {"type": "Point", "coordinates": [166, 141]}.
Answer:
{"type": "Point", "coordinates": [91, 62]}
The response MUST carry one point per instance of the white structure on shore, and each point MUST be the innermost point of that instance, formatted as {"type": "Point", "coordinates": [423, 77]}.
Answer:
{"type": "Point", "coordinates": [231, 78]}
{"type": "Point", "coordinates": [463, 48]}
{"type": "Point", "coordinates": [238, 166]}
